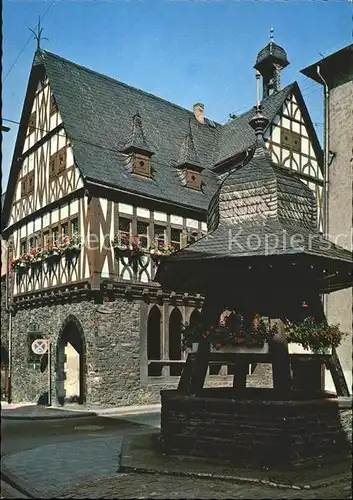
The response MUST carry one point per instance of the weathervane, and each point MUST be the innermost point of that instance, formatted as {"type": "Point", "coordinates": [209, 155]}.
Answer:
{"type": "Point", "coordinates": [38, 34]}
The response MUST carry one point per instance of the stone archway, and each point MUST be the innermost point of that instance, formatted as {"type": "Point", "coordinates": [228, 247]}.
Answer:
{"type": "Point", "coordinates": [71, 363]}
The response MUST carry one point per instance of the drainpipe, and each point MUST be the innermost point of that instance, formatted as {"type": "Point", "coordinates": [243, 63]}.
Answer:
{"type": "Point", "coordinates": [326, 164]}
{"type": "Point", "coordinates": [9, 311]}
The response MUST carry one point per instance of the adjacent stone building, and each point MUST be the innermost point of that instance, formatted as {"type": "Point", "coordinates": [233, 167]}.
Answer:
{"type": "Point", "coordinates": [101, 174]}
{"type": "Point", "coordinates": [335, 74]}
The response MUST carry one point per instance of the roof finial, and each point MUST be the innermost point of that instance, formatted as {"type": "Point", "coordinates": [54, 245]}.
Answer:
{"type": "Point", "coordinates": [271, 34]}
{"type": "Point", "coordinates": [38, 34]}
{"type": "Point", "coordinates": [258, 75]}
{"type": "Point", "coordinates": [258, 122]}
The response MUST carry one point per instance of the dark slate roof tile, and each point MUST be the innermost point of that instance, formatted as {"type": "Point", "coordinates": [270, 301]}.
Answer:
{"type": "Point", "coordinates": [237, 135]}
{"type": "Point", "coordinates": [97, 112]}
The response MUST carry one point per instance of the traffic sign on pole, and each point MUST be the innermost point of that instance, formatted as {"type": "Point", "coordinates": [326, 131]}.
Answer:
{"type": "Point", "coordinates": [39, 346]}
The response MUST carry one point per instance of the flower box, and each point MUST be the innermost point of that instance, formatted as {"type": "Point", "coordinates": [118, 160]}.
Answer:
{"type": "Point", "coordinates": [294, 348]}
{"type": "Point", "coordinates": [236, 349]}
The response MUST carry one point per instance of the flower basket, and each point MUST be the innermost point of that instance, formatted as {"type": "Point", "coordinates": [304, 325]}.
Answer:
{"type": "Point", "coordinates": [71, 246]}
{"type": "Point", "coordinates": [309, 337]}
{"type": "Point", "coordinates": [295, 348]}
{"type": "Point", "coordinates": [157, 252]}
{"type": "Point", "coordinates": [231, 335]}
{"type": "Point", "coordinates": [236, 349]}
{"type": "Point", "coordinates": [128, 247]}
{"type": "Point", "coordinates": [20, 265]}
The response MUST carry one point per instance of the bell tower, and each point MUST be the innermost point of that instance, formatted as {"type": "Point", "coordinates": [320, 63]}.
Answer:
{"type": "Point", "coordinates": [269, 62]}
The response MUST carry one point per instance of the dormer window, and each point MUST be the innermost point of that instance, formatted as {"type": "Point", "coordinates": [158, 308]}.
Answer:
{"type": "Point", "coordinates": [141, 165]}
{"type": "Point", "coordinates": [32, 123]}
{"type": "Point", "coordinates": [193, 179]}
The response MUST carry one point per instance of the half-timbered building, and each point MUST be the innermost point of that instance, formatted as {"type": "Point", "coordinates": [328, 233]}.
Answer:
{"type": "Point", "coordinates": [97, 161]}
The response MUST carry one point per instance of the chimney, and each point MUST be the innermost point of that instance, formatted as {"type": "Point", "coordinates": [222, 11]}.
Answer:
{"type": "Point", "coordinates": [198, 112]}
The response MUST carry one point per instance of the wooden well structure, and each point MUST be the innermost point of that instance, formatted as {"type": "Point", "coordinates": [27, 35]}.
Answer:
{"type": "Point", "coordinates": [262, 254]}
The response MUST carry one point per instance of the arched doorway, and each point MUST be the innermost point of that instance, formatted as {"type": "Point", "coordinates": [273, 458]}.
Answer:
{"type": "Point", "coordinates": [154, 341]}
{"type": "Point", "coordinates": [175, 323]}
{"type": "Point", "coordinates": [4, 373]}
{"type": "Point", "coordinates": [71, 363]}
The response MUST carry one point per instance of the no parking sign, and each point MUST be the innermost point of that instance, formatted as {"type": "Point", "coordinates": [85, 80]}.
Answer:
{"type": "Point", "coordinates": [39, 346]}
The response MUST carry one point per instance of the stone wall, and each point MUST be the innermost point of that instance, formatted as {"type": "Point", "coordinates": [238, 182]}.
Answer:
{"type": "Point", "coordinates": [112, 353]}
{"type": "Point", "coordinates": [339, 304]}
{"type": "Point", "coordinates": [251, 431]}
{"type": "Point", "coordinates": [4, 314]}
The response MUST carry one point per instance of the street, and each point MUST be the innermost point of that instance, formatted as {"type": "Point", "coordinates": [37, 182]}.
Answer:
{"type": "Point", "coordinates": [79, 458]}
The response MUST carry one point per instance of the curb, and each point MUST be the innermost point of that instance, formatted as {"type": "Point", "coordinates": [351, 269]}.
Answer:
{"type": "Point", "coordinates": [271, 482]}
{"type": "Point", "coordinates": [123, 411]}
{"type": "Point", "coordinates": [234, 479]}
{"type": "Point", "coordinates": [18, 484]}
{"type": "Point", "coordinates": [48, 417]}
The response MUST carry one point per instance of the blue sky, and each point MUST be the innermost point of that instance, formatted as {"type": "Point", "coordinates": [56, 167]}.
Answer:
{"type": "Point", "coordinates": [182, 50]}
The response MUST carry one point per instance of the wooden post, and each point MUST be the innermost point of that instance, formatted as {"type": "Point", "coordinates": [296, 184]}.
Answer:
{"type": "Point", "coordinates": [211, 310]}
{"type": "Point", "coordinates": [240, 373]}
{"type": "Point", "coordinates": [281, 374]}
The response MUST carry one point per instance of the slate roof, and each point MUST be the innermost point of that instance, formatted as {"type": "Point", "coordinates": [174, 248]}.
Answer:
{"type": "Point", "coordinates": [237, 135]}
{"type": "Point", "coordinates": [98, 112]}
{"type": "Point", "coordinates": [188, 154]}
{"type": "Point", "coordinates": [260, 210]}
{"type": "Point", "coordinates": [274, 52]}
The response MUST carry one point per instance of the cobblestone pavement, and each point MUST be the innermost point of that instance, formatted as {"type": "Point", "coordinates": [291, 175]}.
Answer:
{"type": "Point", "coordinates": [159, 486]}
{"type": "Point", "coordinates": [54, 467]}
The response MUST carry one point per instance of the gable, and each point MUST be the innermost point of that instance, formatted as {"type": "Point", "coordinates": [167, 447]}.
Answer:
{"type": "Point", "coordinates": [41, 140]}
{"type": "Point", "coordinates": [290, 140]}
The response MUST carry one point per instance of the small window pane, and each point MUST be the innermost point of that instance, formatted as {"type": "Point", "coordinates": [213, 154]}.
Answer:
{"type": "Point", "coordinates": [65, 229]}
{"type": "Point", "coordinates": [45, 239]}
{"type": "Point", "coordinates": [23, 247]}
{"type": "Point", "coordinates": [175, 237]}
{"type": "Point", "coordinates": [74, 227]}
{"type": "Point", "coordinates": [55, 235]}
{"type": "Point", "coordinates": [159, 235]}
{"type": "Point", "coordinates": [142, 233]}
{"type": "Point", "coordinates": [192, 236]}
{"type": "Point", "coordinates": [124, 230]}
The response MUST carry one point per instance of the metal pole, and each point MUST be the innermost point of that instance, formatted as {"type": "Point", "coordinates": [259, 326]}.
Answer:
{"type": "Point", "coordinates": [326, 166]}
{"type": "Point", "coordinates": [49, 375]}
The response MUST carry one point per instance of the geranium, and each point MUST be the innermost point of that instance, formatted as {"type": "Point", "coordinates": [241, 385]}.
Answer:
{"type": "Point", "coordinates": [157, 251]}
{"type": "Point", "coordinates": [229, 331]}
{"type": "Point", "coordinates": [70, 243]}
{"type": "Point", "coordinates": [313, 335]}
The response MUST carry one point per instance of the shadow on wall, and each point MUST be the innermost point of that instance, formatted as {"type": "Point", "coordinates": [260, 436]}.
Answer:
{"type": "Point", "coordinates": [43, 399]}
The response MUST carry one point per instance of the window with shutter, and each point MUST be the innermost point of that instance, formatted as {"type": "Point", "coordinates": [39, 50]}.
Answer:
{"type": "Point", "coordinates": [193, 179]}
{"type": "Point", "coordinates": [141, 165]}
{"type": "Point", "coordinates": [23, 187]}
{"type": "Point", "coordinates": [30, 182]}
{"type": "Point", "coordinates": [290, 140]}
{"type": "Point", "coordinates": [32, 123]}
{"type": "Point", "coordinates": [53, 106]}
{"type": "Point", "coordinates": [61, 160]}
